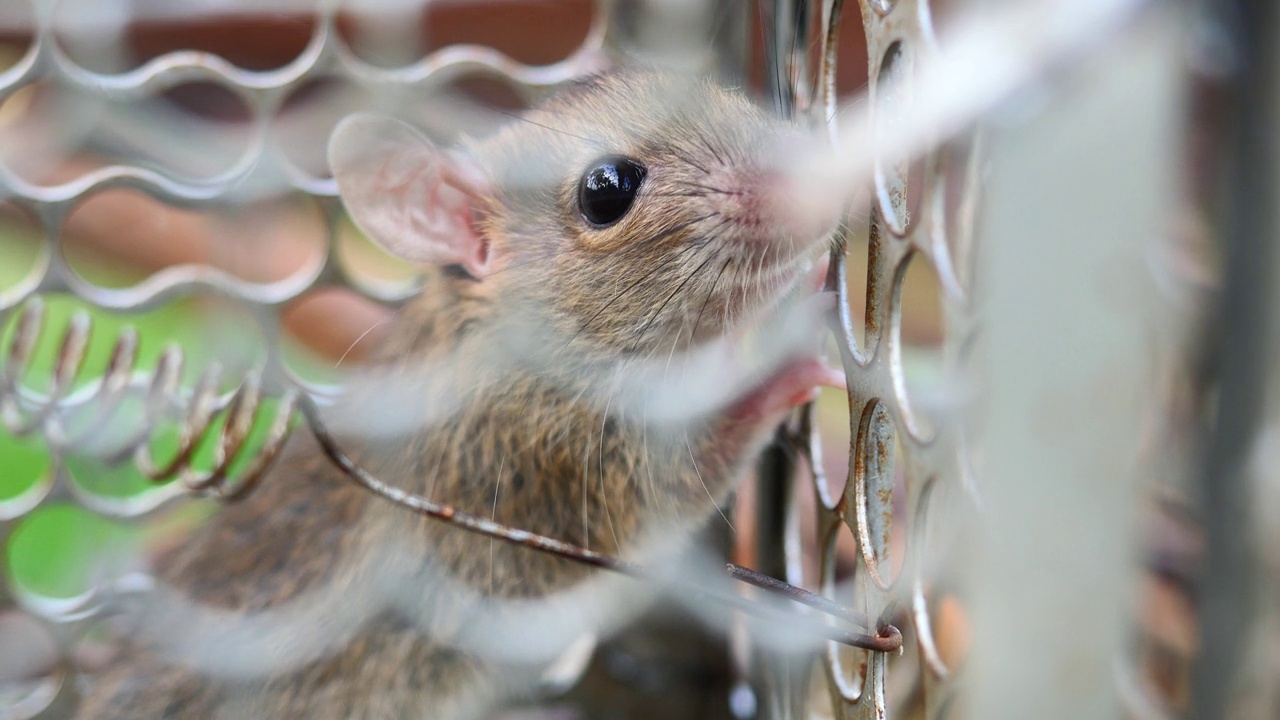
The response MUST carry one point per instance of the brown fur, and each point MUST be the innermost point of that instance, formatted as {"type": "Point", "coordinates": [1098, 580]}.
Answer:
{"type": "Point", "coordinates": [523, 445]}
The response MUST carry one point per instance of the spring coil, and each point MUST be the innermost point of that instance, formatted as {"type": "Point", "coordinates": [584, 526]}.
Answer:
{"type": "Point", "coordinates": [23, 413]}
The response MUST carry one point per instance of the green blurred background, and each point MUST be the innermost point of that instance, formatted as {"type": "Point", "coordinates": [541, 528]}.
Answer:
{"type": "Point", "coordinates": [58, 550]}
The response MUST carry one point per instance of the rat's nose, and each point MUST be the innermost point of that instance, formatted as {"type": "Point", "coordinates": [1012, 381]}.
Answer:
{"type": "Point", "coordinates": [802, 223]}
{"type": "Point", "coordinates": [760, 204]}
{"type": "Point", "coordinates": [802, 212]}
{"type": "Point", "coordinates": [766, 202]}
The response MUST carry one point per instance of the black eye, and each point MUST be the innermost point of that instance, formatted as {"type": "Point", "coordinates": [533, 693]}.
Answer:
{"type": "Point", "coordinates": [608, 188]}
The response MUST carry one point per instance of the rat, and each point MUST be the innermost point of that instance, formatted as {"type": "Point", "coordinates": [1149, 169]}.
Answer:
{"type": "Point", "coordinates": [632, 217]}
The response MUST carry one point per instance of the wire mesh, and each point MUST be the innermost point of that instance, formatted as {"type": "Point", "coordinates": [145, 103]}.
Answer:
{"type": "Point", "coordinates": [881, 411]}
{"type": "Point", "coordinates": [207, 412]}
{"type": "Point", "coordinates": [908, 457]}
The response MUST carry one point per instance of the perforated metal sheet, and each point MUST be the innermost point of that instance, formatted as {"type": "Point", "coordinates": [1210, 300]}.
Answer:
{"type": "Point", "coordinates": [921, 214]}
{"type": "Point", "coordinates": [882, 411]}
{"type": "Point", "coordinates": [905, 454]}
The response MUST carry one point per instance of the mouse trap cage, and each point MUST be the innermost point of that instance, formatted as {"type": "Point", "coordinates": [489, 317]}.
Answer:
{"type": "Point", "coordinates": [1052, 487]}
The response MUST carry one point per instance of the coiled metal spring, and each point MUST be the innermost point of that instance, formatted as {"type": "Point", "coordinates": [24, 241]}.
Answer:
{"type": "Point", "coordinates": [80, 421]}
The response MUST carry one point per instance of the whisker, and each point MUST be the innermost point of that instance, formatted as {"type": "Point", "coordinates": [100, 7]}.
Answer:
{"type": "Point", "coordinates": [680, 287]}
{"type": "Point", "coordinates": [552, 254]}
{"type": "Point", "coordinates": [671, 354]}
{"type": "Point", "coordinates": [698, 472]}
{"type": "Point", "coordinates": [710, 188]}
{"type": "Point", "coordinates": [710, 292]}
{"type": "Point", "coordinates": [689, 160]}
{"type": "Point", "coordinates": [604, 496]}
{"type": "Point", "coordinates": [493, 515]}
{"type": "Point", "coordinates": [357, 340]}
{"type": "Point", "coordinates": [537, 259]}
{"type": "Point", "coordinates": [644, 443]}
{"type": "Point", "coordinates": [760, 371]}
{"type": "Point", "coordinates": [711, 148]}
{"type": "Point", "coordinates": [728, 318]}
{"type": "Point", "coordinates": [586, 455]}
{"type": "Point", "coordinates": [713, 231]}
{"type": "Point", "coordinates": [670, 259]}
{"type": "Point", "coordinates": [522, 118]}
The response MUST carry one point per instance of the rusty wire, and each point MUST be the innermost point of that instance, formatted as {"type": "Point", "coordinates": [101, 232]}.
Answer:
{"type": "Point", "coordinates": [886, 638]}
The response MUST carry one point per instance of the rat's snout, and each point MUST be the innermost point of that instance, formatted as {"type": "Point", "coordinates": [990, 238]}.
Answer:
{"type": "Point", "coordinates": [758, 197]}
{"type": "Point", "coordinates": [759, 203]}
{"type": "Point", "coordinates": [804, 223]}
{"type": "Point", "coordinates": [738, 195]}
{"type": "Point", "coordinates": [801, 210]}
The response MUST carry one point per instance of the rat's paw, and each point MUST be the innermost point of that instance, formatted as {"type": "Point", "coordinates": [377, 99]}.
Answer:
{"type": "Point", "coordinates": [739, 430]}
{"type": "Point", "coordinates": [794, 384]}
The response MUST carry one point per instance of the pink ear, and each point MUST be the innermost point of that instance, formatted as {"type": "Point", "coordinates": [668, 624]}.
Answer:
{"type": "Point", "coordinates": [408, 195]}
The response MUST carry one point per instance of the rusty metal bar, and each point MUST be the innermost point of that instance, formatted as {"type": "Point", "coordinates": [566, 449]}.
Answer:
{"type": "Point", "coordinates": [885, 639]}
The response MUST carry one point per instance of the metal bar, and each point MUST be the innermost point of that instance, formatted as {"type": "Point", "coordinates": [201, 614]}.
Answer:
{"type": "Point", "coordinates": [886, 639]}
{"type": "Point", "coordinates": [1242, 325]}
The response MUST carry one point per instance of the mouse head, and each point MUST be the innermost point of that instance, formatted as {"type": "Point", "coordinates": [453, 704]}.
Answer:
{"type": "Point", "coordinates": [641, 211]}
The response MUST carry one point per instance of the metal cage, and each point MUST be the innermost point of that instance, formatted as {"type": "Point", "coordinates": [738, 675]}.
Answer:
{"type": "Point", "coordinates": [914, 463]}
